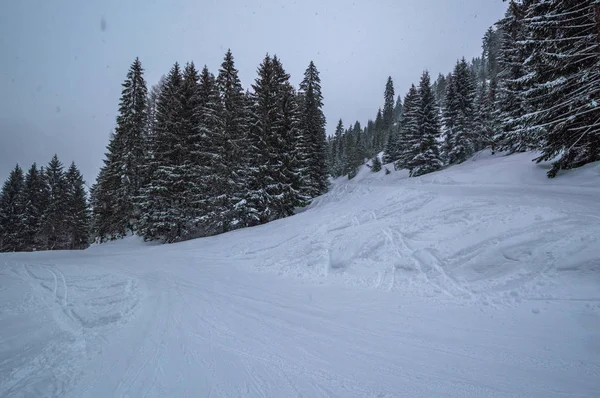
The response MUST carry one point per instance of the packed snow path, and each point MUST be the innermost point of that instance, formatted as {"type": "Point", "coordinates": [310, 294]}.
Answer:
{"type": "Point", "coordinates": [479, 281]}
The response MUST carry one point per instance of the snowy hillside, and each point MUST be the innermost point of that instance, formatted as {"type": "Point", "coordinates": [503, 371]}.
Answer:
{"type": "Point", "coordinates": [481, 280]}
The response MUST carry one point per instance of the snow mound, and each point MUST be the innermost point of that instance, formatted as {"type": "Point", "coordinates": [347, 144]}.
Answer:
{"type": "Point", "coordinates": [493, 229]}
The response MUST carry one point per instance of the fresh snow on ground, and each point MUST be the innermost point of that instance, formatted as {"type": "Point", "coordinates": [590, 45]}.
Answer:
{"type": "Point", "coordinates": [481, 280]}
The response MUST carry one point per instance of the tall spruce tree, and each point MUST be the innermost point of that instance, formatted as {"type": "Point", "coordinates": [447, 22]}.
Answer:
{"type": "Point", "coordinates": [193, 169]}
{"type": "Point", "coordinates": [77, 210]}
{"type": "Point", "coordinates": [294, 151]}
{"type": "Point", "coordinates": [163, 203]}
{"type": "Point", "coordinates": [54, 226]}
{"type": "Point", "coordinates": [511, 107]}
{"type": "Point", "coordinates": [408, 139]}
{"type": "Point", "coordinates": [485, 123]}
{"type": "Point", "coordinates": [391, 149]}
{"type": "Point", "coordinates": [312, 126]}
{"type": "Point", "coordinates": [361, 148]}
{"type": "Point", "coordinates": [460, 114]}
{"type": "Point", "coordinates": [388, 107]}
{"type": "Point", "coordinates": [272, 194]}
{"type": "Point", "coordinates": [389, 119]}
{"type": "Point", "coordinates": [35, 196]}
{"type": "Point", "coordinates": [209, 150]}
{"type": "Point", "coordinates": [12, 222]}
{"type": "Point", "coordinates": [428, 157]}
{"type": "Point", "coordinates": [121, 177]}
{"type": "Point", "coordinates": [338, 150]}
{"type": "Point", "coordinates": [231, 143]}
{"type": "Point", "coordinates": [379, 132]}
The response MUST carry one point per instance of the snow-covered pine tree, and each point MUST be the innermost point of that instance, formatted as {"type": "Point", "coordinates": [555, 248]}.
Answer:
{"type": "Point", "coordinates": [388, 108]}
{"type": "Point", "coordinates": [379, 132]}
{"type": "Point", "coordinates": [120, 179]}
{"type": "Point", "coordinates": [162, 200]}
{"type": "Point", "coordinates": [390, 153]}
{"type": "Point", "coordinates": [389, 118]}
{"type": "Point", "coordinates": [313, 129]}
{"type": "Point", "coordinates": [35, 196]}
{"type": "Point", "coordinates": [460, 113]}
{"type": "Point", "coordinates": [484, 124]}
{"type": "Point", "coordinates": [337, 151]}
{"type": "Point", "coordinates": [376, 164]}
{"type": "Point", "coordinates": [231, 146]}
{"type": "Point", "coordinates": [271, 191]}
{"type": "Point", "coordinates": [77, 210]}
{"type": "Point", "coordinates": [369, 138]}
{"type": "Point", "coordinates": [510, 107]}
{"type": "Point", "coordinates": [361, 148]}
{"type": "Point", "coordinates": [260, 143]}
{"type": "Point", "coordinates": [290, 143]}
{"type": "Point", "coordinates": [408, 139]}
{"type": "Point", "coordinates": [565, 64]}
{"type": "Point", "coordinates": [331, 155]}
{"type": "Point", "coordinates": [130, 132]}
{"type": "Point", "coordinates": [54, 226]}
{"type": "Point", "coordinates": [196, 167]}
{"type": "Point", "coordinates": [12, 222]}
{"type": "Point", "coordinates": [103, 196]}
{"type": "Point", "coordinates": [353, 155]}
{"type": "Point", "coordinates": [427, 159]}
{"type": "Point", "coordinates": [350, 167]}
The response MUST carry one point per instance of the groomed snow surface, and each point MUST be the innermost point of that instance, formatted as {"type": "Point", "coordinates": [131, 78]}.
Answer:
{"type": "Point", "coordinates": [482, 280]}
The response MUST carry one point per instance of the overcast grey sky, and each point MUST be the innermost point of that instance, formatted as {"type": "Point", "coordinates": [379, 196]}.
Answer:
{"type": "Point", "coordinates": [63, 61]}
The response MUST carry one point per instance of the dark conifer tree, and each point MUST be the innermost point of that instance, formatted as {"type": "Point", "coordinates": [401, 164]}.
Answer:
{"type": "Point", "coordinates": [120, 179]}
{"type": "Point", "coordinates": [338, 150]}
{"type": "Point", "coordinates": [379, 132]}
{"type": "Point", "coordinates": [312, 125]}
{"type": "Point", "coordinates": [391, 149]}
{"type": "Point", "coordinates": [210, 151]}
{"type": "Point", "coordinates": [196, 169]}
{"type": "Point", "coordinates": [408, 139]}
{"type": "Point", "coordinates": [54, 226]}
{"type": "Point", "coordinates": [35, 197]}
{"type": "Point", "coordinates": [376, 164]}
{"type": "Point", "coordinates": [428, 157]}
{"type": "Point", "coordinates": [77, 210]}
{"type": "Point", "coordinates": [260, 141]}
{"type": "Point", "coordinates": [388, 107]}
{"type": "Point", "coordinates": [511, 107]}
{"type": "Point", "coordinates": [274, 130]}
{"type": "Point", "coordinates": [230, 138]}
{"type": "Point", "coordinates": [163, 202]}
{"type": "Point", "coordinates": [12, 222]}
{"type": "Point", "coordinates": [361, 148]}
{"type": "Point", "coordinates": [391, 114]}
{"type": "Point", "coordinates": [460, 114]}
{"type": "Point", "coordinates": [485, 123]}
{"type": "Point", "coordinates": [290, 144]}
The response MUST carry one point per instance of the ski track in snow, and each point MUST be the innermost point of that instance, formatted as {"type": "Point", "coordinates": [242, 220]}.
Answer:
{"type": "Point", "coordinates": [482, 280]}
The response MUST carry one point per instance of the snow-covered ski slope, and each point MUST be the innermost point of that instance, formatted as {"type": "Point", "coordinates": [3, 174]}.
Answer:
{"type": "Point", "coordinates": [482, 280]}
